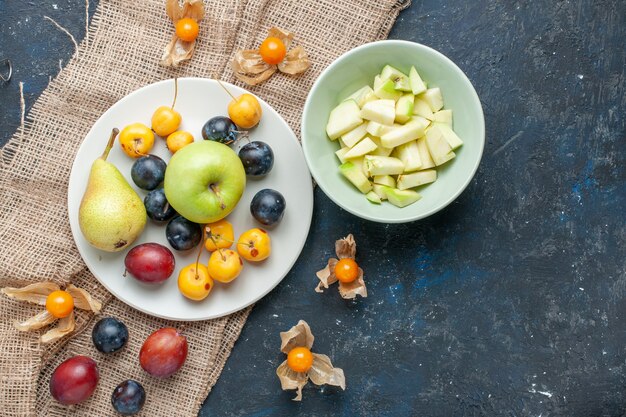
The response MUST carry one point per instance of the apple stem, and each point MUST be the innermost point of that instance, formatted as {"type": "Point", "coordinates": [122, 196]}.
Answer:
{"type": "Point", "coordinates": [175, 92]}
{"type": "Point", "coordinates": [226, 89]}
{"type": "Point", "coordinates": [114, 133]}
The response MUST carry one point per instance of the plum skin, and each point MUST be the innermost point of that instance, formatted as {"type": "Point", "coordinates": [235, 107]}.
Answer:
{"type": "Point", "coordinates": [268, 207]}
{"type": "Point", "coordinates": [163, 353]}
{"type": "Point", "coordinates": [128, 397]}
{"type": "Point", "coordinates": [109, 335]}
{"type": "Point", "coordinates": [150, 262]}
{"type": "Point", "coordinates": [74, 380]}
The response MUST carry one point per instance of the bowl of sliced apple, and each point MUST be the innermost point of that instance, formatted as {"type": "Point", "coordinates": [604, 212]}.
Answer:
{"type": "Point", "coordinates": [393, 131]}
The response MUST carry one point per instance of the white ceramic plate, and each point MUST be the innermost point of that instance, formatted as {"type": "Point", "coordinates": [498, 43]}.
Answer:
{"type": "Point", "coordinates": [198, 100]}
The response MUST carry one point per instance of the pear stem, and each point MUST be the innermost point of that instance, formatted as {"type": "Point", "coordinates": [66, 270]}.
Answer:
{"type": "Point", "coordinates": [226, 89]}
{"type": "Point", "coordinates": [114, 133]}
{"type": "Point", "coordinates": [175, 92]}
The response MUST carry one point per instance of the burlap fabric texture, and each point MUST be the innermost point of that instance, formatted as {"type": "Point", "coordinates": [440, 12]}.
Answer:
{"type": "Point", "coordinates": [121, 54]}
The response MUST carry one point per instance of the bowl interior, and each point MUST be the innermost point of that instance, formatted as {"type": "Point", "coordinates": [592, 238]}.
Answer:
{"type": "Point", "coordinates": [358, 68]}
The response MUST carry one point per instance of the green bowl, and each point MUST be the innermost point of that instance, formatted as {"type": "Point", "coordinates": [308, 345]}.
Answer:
{"type": "Point", "coordinates": [358, 67]}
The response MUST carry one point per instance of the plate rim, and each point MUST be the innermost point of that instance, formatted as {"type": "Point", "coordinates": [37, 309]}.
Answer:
{"type": "Point", "coordinates": [308, 218]}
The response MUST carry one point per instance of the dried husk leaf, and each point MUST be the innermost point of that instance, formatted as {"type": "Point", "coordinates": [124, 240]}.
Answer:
{"type": "Point", "coordinates": [83, 300]}
{"type": "Point", "coordinates": [296, 61]}
{"type": "Point", "coordinates": [285, 36]}
{"type": "Point", "coordinates": [350, 290]}
{"type": "Point", "coordinates": [178, 50]}
{"type": "Point", "coordinates": [250, 68]}
{"type": "Point", "coordinates": [36, 322]}
{"type": "Point", "coordinates": [34, 293]}
{"type": "Point", "coordinates": [346, 247]}
{"type": "Point", "coordinates": [322, 372]}
{"type": "Point", "coordinates": [66, 326]}
{"type": "Point", "coordinates": [290, 379]}
{"type": "Point", "coordinates": [327, 275]}
{"type": "Point", "coordinates": [298, 336]}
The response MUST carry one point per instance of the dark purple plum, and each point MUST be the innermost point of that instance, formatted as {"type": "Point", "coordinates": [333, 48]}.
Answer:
{"type": "Point", "coordinates": [128, 397]}
{"type": "Point", "coordinates": [157, 207]}
{"type": "Point", "coordinates": [109, 335]}
{"type": "Point", "coordinates": [148, 172]}
{"type": "Point", "coordinates": [268, 207]}
{"type": "Point", "coordinates": [220, 129]}
{"type": "Point", "coordinates": [183, 234]}
{"type": "Point", "coordinates": [257, 158]}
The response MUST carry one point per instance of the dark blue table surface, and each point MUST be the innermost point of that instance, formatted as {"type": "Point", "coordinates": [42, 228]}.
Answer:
{"type": "Point", "coordinates": [510, 301]}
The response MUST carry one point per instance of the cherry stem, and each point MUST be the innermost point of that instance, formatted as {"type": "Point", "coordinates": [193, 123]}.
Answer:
{"type": "Point", "coordinates": [135, 143]}
{"type": "Point", "coordinates": [250, 245]}
{"type": "Point", "coordinates": [175, 92]}
{"type": "Point", "coordinates": [109, 146]}
{"type": "Point", "coordinates": [200, 251]}
{"type": "Point", "coordinates": [226, 89]}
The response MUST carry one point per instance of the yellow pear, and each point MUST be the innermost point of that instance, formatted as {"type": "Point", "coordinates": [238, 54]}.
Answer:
{"type": "Point", "coordinates": [111, 214]}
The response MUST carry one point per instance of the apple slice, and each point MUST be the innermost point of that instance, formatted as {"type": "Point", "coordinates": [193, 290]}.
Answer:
{"type": "Point", "coordinates": [380, 191]}
{"type": "Point", "coordinates": [353, 173]}
{"type": "Point", "coordinates": [433, 98]}
{"type": "Point", "coordinates": [443, 116]}
{"type": "Point", "coordinates": [439, 148]}
{"type": "Point", "coordinates": [375, 128]}
{"type": "Point", "coordinates": [387, 180]}
{"type": "Point", "coordinates": [377, 82]}
{"type": "Point", "coordinates": [400, 79]}
{"type": "Point", "coordinates": [406, 133]}
{"type": "Point", "coordinates": [362, 95]}
{"type": "Point", "coordinates": [427, 160]}
{"type": "Point", "coordinates": [448, 134]}
{"type": "Point", "coordinates": [421, 108]}
{"type": "Point", "coordinates": [380, 150]}
{"type": "Point", "coordinates": [343, 118]}
{"type": "Point", "coordinates": [353, 137]}
{"type": "Point", "coordinates": [417, 84]}
{"type": "Point", "coordinates": [341, 154]}
{"type": "Point", "coordinates": [387, 90]}
{"type": "Point", "coordinates": [381, 111]}
{"type": "Point", "coordinates": [404, 108]}
{"type": "Point", "coordinates": [383, 165]}
{"type": "Point", "coordinates": [409, 154]}
{"type": "Point", "coordinates": [373, 197]}
{"type": "Point", "coordinates": [416, 179]}
{"type": "Point", "coordinates": [363, 147]}
{"type": "Point", "coordinates": [401, 198]}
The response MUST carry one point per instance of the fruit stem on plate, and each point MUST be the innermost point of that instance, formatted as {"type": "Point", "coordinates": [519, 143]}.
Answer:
{"type": "Point", "coordinates": [200, 251]}
{"type": "Point", "coordinates": [226, 89]}
{"type": "Point", "coordinates": [175, 92]}
{"type": "Point", "coordinates": [114, 133]}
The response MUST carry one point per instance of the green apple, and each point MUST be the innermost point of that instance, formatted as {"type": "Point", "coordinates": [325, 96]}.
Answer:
{"type": "Point", "coordinates": [380, 150]}
{"type": "Point", "coordinates": [363, 147]}
{"type": "Point", "coordinates": [204, 181]}
{"type": "Point", "coordinates": [400, 79]}
{"type": "Point", "coordinates": [352, 137]}
{"type": "Point", "coordinates": [433, 98]}
{"type": "Point", "coordinates": [380, 190]}
{"type": "Point", "coordinates": [343, 119]}
{"type": "Point", "coordinates": [404, 108]}
{"type": "Point", "coordinates": [387, 90]}
{"type": "Point", "coordinates": [427, 160]}
{"type": "Point", "coordinates": [416, 179]}
{"type": "Point", "coordinates": [421, 108]}
{"type": "Point", "coordinates": [373, 197]}
{"type": "Point", "coordinates": [412, 130]}
{"type": "Point", "coordinates": [448, 134]}
{"type": "Point", "coordinates": [409, 154]}
{"type": "Point", "coordinates": [362, 95]}
{"type": "Point", "coordinates": [438, 147]}
{"type": "Point", "coordinates": [443, 116]}
{"type": "Point", "coordinates": [383, 165]}
{"type": "Point", "coordinates": [341, 154]}
{"type": "Point", "coordinates": [418, 86]}
{"type": "Point", "coordinates": [382, 111]}
{"type": "Point", "coordinates": [354, 174]}
{"type": "Point", "coordinates": [401, 198]}
{"type": "Point", "coordinates": [387, 180]}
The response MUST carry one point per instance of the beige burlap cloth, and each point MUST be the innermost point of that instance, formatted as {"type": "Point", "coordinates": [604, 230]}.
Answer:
{"type": "Point", "coordinates": [121, 54]}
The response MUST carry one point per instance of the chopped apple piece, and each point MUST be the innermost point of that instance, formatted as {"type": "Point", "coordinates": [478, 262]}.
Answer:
{"type": "Point", "coordinates": [404, 108]}
{"type": "Point", "coordinates": [417, 84]}
{"type": "Point", "coordinates": [373, 197]}
{"type": "Point", "coordinates": [341, 153]}
{"type": "Point", "coordinates": [453, 140]}
{"type": "Point", "coordinates": [409, 154]}
{"type": "Point", "coordinates": [353, 137]}
{"type": "Point", "coordinates": [421, 108]}
{"type": "Point", "coordinates": [387, 90]}
{"type": "Point", "coordinates": [380, 190]}
{"type": "Point", "coordinates": [433, 97]}
{"type": "Point", "coordinates": [387, 180]}
{"type": "Point", "coordinates": [439, 148]}
{"type": "Point", "coordinates": [381, 111]}
{"type": "Point", "coordinates": [443, 116]}
{"type": "Point", "coordinates": [410, 131]}
{"type": "Point", "coordinates": [380, 150]}
{"type": "Point", "coordinates": [400, 79]}
{"type": "Point", "coordinates": [353, 173]}
{"type": "Point", "coordinates": [401, 198]}
{"type": "Point", "coordinates": [364, 147]}
{"type": "Point", "coordinates": [416, 179]}
{"type": "Point", "coordinates": [427, 160]}
{"type": "Point", "coordinates": [375, 128]}
{"type": "Point", "coordinates": [343, 118]}
{"type": "Point", "coordinates": [383, 165]}
{"type": "Point", "coordinates": [377, 82]}
{"type": "Point", "coordinates": [362, 95]}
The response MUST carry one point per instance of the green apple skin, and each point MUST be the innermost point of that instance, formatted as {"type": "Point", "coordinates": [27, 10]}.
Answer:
{"type": "Point", "coordinates": [204, 181]}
